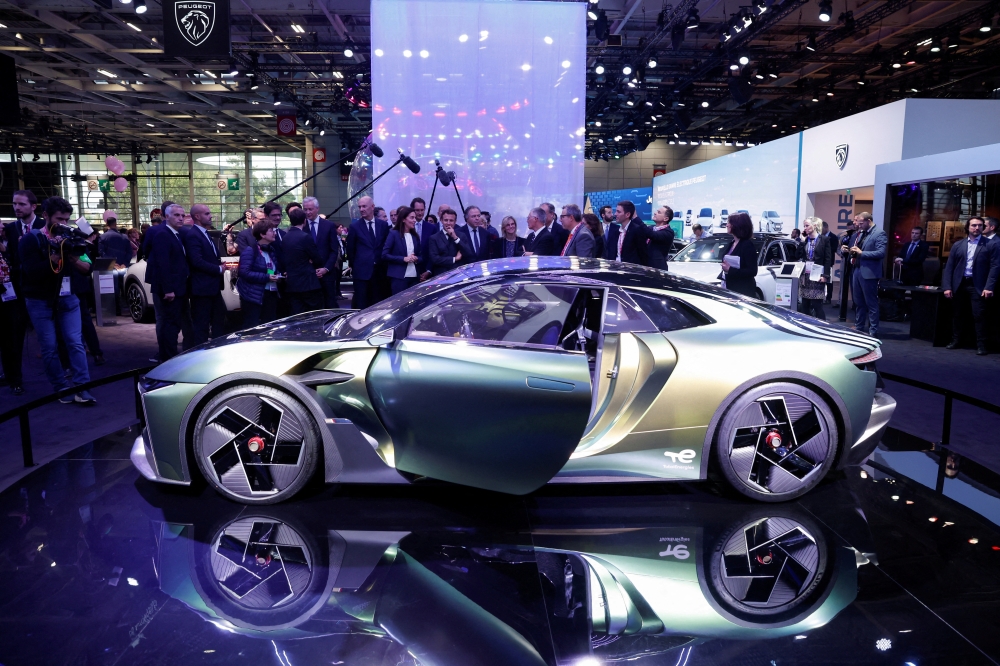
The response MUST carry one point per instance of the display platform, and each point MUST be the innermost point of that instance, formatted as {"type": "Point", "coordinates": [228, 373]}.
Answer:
{"type": "Point", "coordinates": [872, 567]}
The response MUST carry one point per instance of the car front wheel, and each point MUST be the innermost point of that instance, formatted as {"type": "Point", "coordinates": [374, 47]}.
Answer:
{"type": "Point", "coordinates": [138, 308]}
{"type": "Point", "coordinates": [256, 444]}
{"type": "Point", "coordinates": [776, 442]}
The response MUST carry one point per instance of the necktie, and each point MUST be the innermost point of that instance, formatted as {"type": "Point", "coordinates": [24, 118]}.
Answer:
{"type": "Point", "coordinates": [371, 229]}
{"type": "Point", "coordinates": [475, 241]}
{"type": "Point", "coordinates": [530, 241]}
{"type": "Point", "coordinates": [568, 239]}
{"type": "Point", "coordinates": [312, 229]}
{"type": "Point", "coordinates": [910, 251]}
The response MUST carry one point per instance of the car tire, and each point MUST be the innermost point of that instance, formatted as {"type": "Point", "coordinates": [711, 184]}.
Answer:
{"type": "Point", "coordinates": [752, 447]}
{"type": "Point", "coordinates": [769, 569]}
{"type": "Point", "coordinates": [758, 294]}
{"type": "Point", "coordinates": [138, 306]}
{"type": "Point", "coordinates": [256, 444]}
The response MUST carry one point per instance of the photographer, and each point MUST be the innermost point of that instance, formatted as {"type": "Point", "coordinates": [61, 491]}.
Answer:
{"type": "Point", "coordinates": [48, 256]}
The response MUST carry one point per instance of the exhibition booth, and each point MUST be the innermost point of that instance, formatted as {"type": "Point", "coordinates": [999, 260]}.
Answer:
{"type": "Point", "coordinates": [830, 171]}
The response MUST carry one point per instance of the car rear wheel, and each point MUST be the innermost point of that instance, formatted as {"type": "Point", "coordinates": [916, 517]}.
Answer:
{"type": "Point", "coordinates": [138, 307]}
{"type": "Point", "coordinates": [256, 444]}
{"type": "Point", "coordinates": [776, 442]}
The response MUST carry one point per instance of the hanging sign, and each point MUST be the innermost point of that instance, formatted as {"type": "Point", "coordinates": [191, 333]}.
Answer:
{"type": "Point", "coordinates": [319, 155]}
{"type": "Point", "coordinates": [196, 29]}
{"type": "Point", "coordinates": [286, 124]}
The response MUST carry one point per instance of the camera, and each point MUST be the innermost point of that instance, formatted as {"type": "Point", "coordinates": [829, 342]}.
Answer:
{"type": "Point", "coordinates": [69, 240]}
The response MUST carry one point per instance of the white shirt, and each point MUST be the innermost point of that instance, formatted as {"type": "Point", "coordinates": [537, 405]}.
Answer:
{"type": "Point", "coordinates": [621, 239]}
{"type": "Point", "coordinates": [411, 269]}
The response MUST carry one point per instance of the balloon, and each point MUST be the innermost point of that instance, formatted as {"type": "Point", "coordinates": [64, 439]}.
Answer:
{"type": "Point", "coordinates": [118, 168]}
{"type": "Point", "coordinates": [109, 161]}
{"type": "Point", "coordinates": [121, 184]}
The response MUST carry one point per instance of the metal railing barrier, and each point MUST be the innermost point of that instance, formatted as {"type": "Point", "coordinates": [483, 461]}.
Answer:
{"type": "Point", "coordinates": [949, 398]}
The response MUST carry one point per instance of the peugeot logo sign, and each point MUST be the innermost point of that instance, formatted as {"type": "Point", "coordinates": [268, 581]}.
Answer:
{"type": "Point", "coordinates": [195, 20]}
{"type": "Point", "coordinates": [841, 155]}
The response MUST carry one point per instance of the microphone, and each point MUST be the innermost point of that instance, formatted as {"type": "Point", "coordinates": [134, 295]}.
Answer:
{"type": "Point", "coordinates": [445, 177]}
{"type": "Point", "coordinates": [408, 161]}
{"type": "Point", "coordinates": [375, 150]}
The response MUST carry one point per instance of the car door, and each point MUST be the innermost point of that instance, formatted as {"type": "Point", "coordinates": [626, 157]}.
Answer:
{"type": "Point", "coordinates": [634, 362]}
{"type": "Point", "coordinates": [480, 390]}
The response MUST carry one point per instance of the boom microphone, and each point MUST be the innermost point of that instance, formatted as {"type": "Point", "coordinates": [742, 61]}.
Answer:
{"type": "Point", "coordinates": [408, 161]}
{"type": "Point", "coordinates": [375, 150]}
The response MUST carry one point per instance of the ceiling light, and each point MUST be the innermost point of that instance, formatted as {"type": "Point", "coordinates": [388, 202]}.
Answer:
{"type": "Point", "coordinates": [936, 45]}
{"type": "Point", "coordinates": [254, 87]}
{"type": "Point", "coordinates": [348, 53]}
{"type": "Point", "coordinates": [626, 70]}
{"type": "Point", "coordinates": [773, 75]}
{"type": "Point", "coordinates": [140, 6]}
{"type": "Point", "coordinates": [337, 75]}
{"type": "Point", "coordinates": [987, 24]}
{"type": "Point", "coordinates": [277, 102]}
{"type": "Point", "coordinates": [107, 73]}
{"type": "Point", "coordinates": [704, 105]}
{"type": "Point", "coordinates": [224, 124]}
{"type": "Point", "coordinates": [744, 59]}
{"type": "Point", "coordinates": [825, 10]}
{"type": "Point", "coordinates": [760, 6]}
{"type": "Point", "coordinates": [133, 25]}
{"type": "Point", "coordinates": [829, 93]}
{"type": "Point", "coordinates": [652, 63]}
{"type": "Point", "coordinates": [733, 65]}
{"type": "Point", "coordinates": [150, 125]}
{"type": "Point", "coordinates": [591, 14]}
{"type": "Point", "coordinates": [815, 99]}
{"type": "Point", "coordinates": [425, 53]}
{"type": "Point", "coordinates": [525, 67]}
{"type": "Point", "coordinates": [297, 28]}
{"type": "Point", "coordinates": [322, 132]}
{"type": "Point", "coordinates": [597, 123]}
{"type": "Point", "coordinates": [599, 69]}
{"type": "Point", "coordinates": [693, 19]}
{"type": "Point", "coordinates": [631, 100]}
{"type": "Point", "coordinates": [210, 74]}
{"type": "Point", "coordinates": [407, 53]}
{"type": "Point", "coordinates": [861, 79]}
{"type": "Point", "coordinates": [811, 43]}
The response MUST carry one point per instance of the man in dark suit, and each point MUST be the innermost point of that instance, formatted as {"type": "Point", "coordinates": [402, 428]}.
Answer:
{"type": "Point", "coordinates": [324, 234]}
{"type": "Point", "coordinates": [208, 310]}
{"type": "Point", "coordinates": [16, 315]}
{"type": "Point", "coordinates": [167, 273]}
{"type": "Point", "coordinates": [425, 230]}
{"type": "Point", "coordinates": [365, 239]}
{"type": "Point", "coordinates": [554, 226]}
{"type": "Point", "coordinates": [609, 225]}
{"type": "Point", "coordinates": [475, 239]}
{"type": "Point", "coordinates": [540, 241]}
{"type": "Point", "coordinates": [867, 253]}
{"type": "Point", "coordinates": [834, 242]}
{"type": "Point", "coordinates": [302, 263]}
{"type": "Point", "coordinates": [628, 242]}
{"type": "Point", "coordinates": [911, 258]}
{"type": "Point", "coordinates": [580, 240]}
{"type": "Point", "coordinates": [970, 276]}
{"type": "Point", "coordinates": [443, 248]}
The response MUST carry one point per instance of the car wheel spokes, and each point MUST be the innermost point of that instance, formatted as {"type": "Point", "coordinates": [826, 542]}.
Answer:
{"type": "Point", "coordinates": [769, 563]}
{"type": "Point", "coordinates": [778, 443]}
{"type": "Point", "coordinates": [136, 303]}
{"type": "Point", "coordinates": [254, 446]}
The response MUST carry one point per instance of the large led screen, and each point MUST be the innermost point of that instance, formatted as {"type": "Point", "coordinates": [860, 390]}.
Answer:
{"type": "Point", "coordinates": [762, 181]}
{"type": "Point", "coordinates": [493, 90]}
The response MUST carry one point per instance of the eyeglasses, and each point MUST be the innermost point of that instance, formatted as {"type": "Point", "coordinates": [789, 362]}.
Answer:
{"type": "Point", "coordinates": [565, 215]}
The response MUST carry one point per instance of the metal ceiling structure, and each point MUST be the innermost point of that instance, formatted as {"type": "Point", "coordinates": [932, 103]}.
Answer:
{"type": "Point", "coordinates": [93, 76]}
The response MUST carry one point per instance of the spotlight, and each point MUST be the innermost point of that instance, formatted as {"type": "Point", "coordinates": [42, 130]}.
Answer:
{"type": "Point", "coordinates": [322, 132]}
{"type": "Point", "coordinates": [149, 158]}
{"type": "Point", "coordinates": [35, 158]}
{"type": "Point", "coordinates": [733, 66]}
{"type": "Point", "coordinates": [599, 69]}
{"type": "Point", "coordinates": [631, 100]}
{"type": "Point", "coordinates": [277, 102]}
{"type": "Point", "coordinates": [760, 6]}
{"type": "Point", "coordinates": [140, 6]}
{"type": "Point", "coordinates": [348, 53]}
{"type": "Point", "coordinates": [987, 24]}
{"type": "Point", "coordinates": [626, 70]}
{"type": "Point", "coordinates": [861, 79]}
{"type": "Point", "coordinates": [936, 45]}
{"type": "Point", "coordinates": [601, 29]}
{"type": "Point", "coordinates": [825, 10]}
{"type": "Point", "coordinates": [591, 14]}
{"type": "Point", "coordinates": [704, 105]}
{"type": "Point", "coordinates": [693, 19]}
{"type": "Point", "coordinates": [811, 42]}
{"type": "Point", "coordinates": [652, 63]}
{"type": "Point", "coordinates": [744, 59]}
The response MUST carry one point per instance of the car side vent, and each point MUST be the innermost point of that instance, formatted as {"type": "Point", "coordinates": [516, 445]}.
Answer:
{"type": "Point", "coordinates": [321, 378]}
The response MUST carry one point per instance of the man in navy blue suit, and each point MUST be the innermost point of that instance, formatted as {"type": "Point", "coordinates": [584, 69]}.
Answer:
{"type": "Point", "coordinates": [208, 310]}
{"type": "Point", "coordinates": [425, 230]}
{"type": "Point", "coordinates": [365, 239]}
{"type": "Point", "coordinates": [475, 243]}
{"type": "Point", "coordinates": [167, 274]}
{"type": "Point", "coordinates": [324, 233]}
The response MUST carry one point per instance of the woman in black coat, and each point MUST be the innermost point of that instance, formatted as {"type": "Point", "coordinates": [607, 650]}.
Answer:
{"type": "Point", "coordinates": [741, 280]}
{"type": "Point", "coordinates": [508, 244]}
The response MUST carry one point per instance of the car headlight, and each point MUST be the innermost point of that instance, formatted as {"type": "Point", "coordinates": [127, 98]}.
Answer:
{"type": "Point", "coordinates": [868, 357]}
{"type": "Point", "coordinates": [147, 384]}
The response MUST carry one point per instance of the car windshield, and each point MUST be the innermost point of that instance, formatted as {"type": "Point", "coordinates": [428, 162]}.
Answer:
{"type": "Point", "coordinates": [707, 249]}
{"type": "Point", "coordinates": [386, 314]}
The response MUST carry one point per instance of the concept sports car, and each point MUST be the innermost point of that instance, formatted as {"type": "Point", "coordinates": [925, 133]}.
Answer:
{"type": "Point", "coordinates": [510, 374]}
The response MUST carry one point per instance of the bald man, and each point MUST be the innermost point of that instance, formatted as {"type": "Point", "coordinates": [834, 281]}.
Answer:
{"type": "Point", "coordinates": [365, 239]}
{"type": "Point", "coordinates": [208, 310]}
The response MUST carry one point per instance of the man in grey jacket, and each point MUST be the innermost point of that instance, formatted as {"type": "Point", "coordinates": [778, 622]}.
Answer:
{"type": "Point", "coordinates": [580, 242]}
{"type": "Point", "coordinates": [868, 246]}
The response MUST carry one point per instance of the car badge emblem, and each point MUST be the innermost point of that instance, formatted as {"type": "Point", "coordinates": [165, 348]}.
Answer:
{"type": "Point", "coordinates": [195, 20]}
{"type": "Point", "coordinates": [841, 155]}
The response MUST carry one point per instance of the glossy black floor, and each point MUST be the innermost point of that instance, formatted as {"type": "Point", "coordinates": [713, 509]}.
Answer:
{"type": "Point", "coordinates": [103, 568]}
